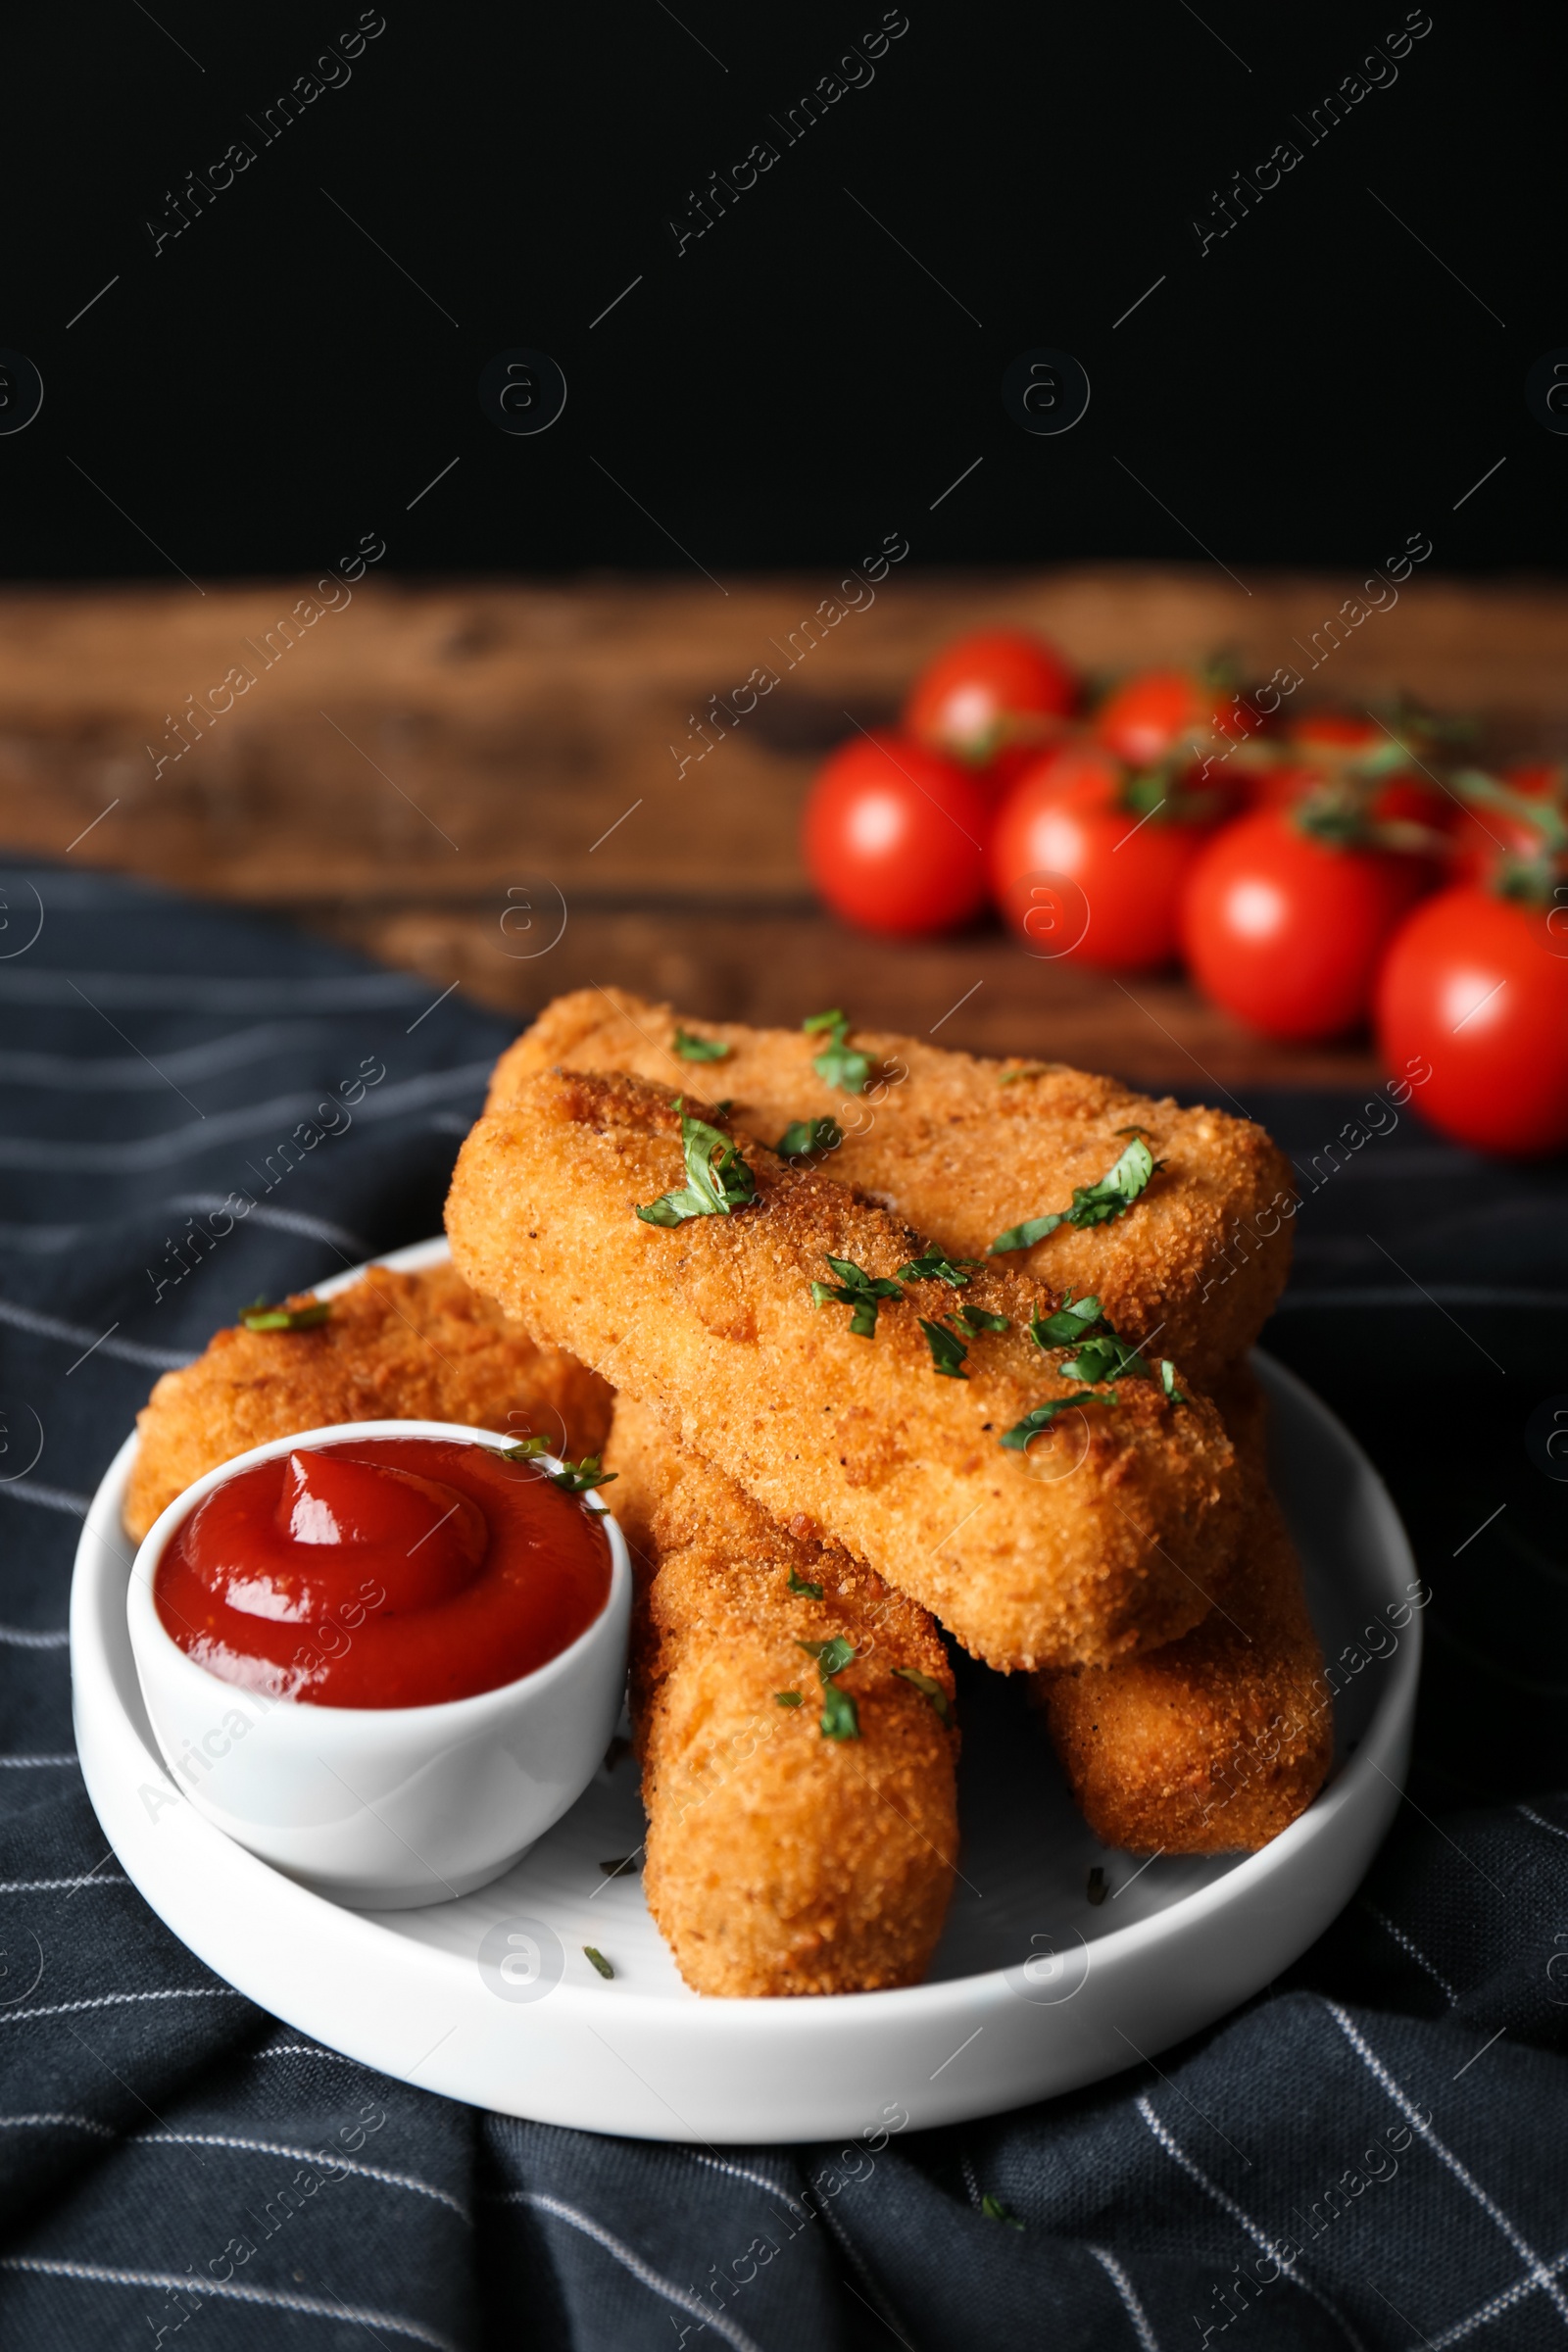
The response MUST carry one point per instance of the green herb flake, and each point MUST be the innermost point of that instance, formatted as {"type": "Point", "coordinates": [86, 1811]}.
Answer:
{"type": "Point", "coordinates": [526, 1451]}
{"type": "Point", "coordinates": [1107, 1358]}
{"type": "Point", "coordinates": [1109, 1195]}
{"type": "Point", "coordinates": [929, 1689]}
{"type": "Point", "coordinates": [262, 1317]}
{"type": "Point", "coordinates": [935, 1266]}
{"type": "Point", "coordinates": [947, 1350]}
{"type": "Point", "coordinates": [597, 1958]}
{"type": "Point", "coordinates": [787, 1698]}
{"type": "Point", "coordinates": [854, 1288]}
{"type": "Point", "coordinates": [717, 1178]}
{"type": "Point", "coordinates": [577, 1477]}
{"type": "Point", "coordinates": [995, 2211]}
{"type": "Point", "coordinates": [1072, 1321]}
{"type": "Point", "coordinates": [1118, 1189]}
{"type": "Point", "coordinates": [838, 1719]}
{"type": "Point", "coordinates": [804, 1135]}
{"type": "Point", "coordinates": [1017, 1438]}
{"type": "Point", "coordinates": [1167, 1380]}
{"type": "Point", "coordinates": [837, 1064]}
{"type": "Point", "coordinates": [802, 1588]}
{"type": "Point", "coordinates": [1025, 1236]}
{"type": "Point", "coordinates": [701, 1049]}
{"type": "Point", "coordinates": [972, 1320]}
{"type": "Point", "coordinates": [1132, 1131]}
{"type": "Point", "coordinates": [1031, 1069]}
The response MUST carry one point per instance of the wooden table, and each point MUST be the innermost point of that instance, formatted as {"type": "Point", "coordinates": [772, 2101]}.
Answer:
{"type": "Point", "coordinates": [483, 783]}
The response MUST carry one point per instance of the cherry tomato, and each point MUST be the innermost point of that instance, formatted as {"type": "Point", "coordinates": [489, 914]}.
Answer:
{"type": "Point", "coordinates": [1151, 714]}
{"type": "Point", "coordinates": [1067, 815]}
{"type": "Point", "coordinates": [997, 692]}
{"type": "Point", "coordinates": [1285, 930]}
{"type": "Point", "coordinates": [893, 837]}
{"type": "Point", "coordinates": [1476, 987]}
{"type": "Point", "coordinates": [1335, 731]}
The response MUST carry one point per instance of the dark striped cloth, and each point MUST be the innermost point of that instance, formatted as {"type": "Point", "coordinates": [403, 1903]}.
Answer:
{"type": "Point", "coordinates": [1370, 2154]}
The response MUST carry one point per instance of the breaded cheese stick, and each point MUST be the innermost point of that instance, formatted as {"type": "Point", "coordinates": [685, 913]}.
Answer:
{"type": "Point", "coordinates": [1218, 1740]}
{"type": "Point", "coordinates": [393, 1348]}
{"type": "Point", "coordinates": [779, 1860]}
{"type": "Point", "coordinates": [965, 1148]}
{"type": "Point", "coordinates": [1093, 1544]}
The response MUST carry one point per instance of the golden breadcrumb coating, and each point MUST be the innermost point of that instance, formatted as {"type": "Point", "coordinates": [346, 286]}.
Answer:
{"type": "Point", "coordinates": [395, 1347]}
{"type": "Point", "coordinates": [1218, 1740]}
{"type": "Point", "coordinates": [1095, 1543]}
{"type": "Point", "coordinates": [778, 1860]}
{"type": "Point", "coordinates": [963, 1148]}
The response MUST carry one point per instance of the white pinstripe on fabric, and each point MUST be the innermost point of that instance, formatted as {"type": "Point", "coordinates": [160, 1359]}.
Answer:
{"type": "Point", "coordinates": [128, 1073]}
{"type": "Point", "coordinates": [737, 2172]}
{"type": "Point", "coordinates": [116, 2000]}
{"type": "Point", "coordinates": [634, 2262]}
{"type": "Point", "coordinates": [36, 1763]}
{"type": "Point", "coordinates": [18, 1637]}
{"type": "Point", "coordinates": [303, 2049]}
{"type": "Point", "coordinates": [92, 1877]}
{"type": "Point", "coordinates": [1258, 2236]}
{"type": "Point", "coordinates": [76, 2123]}
{"type": "Point", "coordinates": [230, 2290]}
{"type": "Point", "coordinates": [171, 1144]}
{"type": "Point", "coordinates": [1541, 1821]}
{"type": "Point", "coordinates": [1124, 2287]}
{"type": "Point", "coordinates": [1445, 2155]}
{"type": "Point", "coordinates": [76, 1335]}
{"type": "Point", "coordinates": [1409, 1944]}
{"type": "Point", "coordinates": [1493, 2308]}
{"type": "Point", "coordinates": [278, 2147]}
{"type": "Point", "coordinates": [49, 1499]}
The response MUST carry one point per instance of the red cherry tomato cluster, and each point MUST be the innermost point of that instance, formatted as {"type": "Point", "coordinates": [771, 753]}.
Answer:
{"type": "Point", "coordinates": [1314, 872]}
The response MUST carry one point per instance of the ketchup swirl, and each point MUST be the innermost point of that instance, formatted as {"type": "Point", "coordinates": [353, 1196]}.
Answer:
{"type": "Point", "coordinates": [398, 1572]}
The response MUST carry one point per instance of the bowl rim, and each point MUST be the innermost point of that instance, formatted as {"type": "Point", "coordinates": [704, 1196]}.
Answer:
{"type": "Point", "coordinates": [151, 1643]}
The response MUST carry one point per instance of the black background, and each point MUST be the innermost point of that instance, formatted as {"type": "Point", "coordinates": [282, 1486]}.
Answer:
{"type": "Point", "coordinates": [792, 385]}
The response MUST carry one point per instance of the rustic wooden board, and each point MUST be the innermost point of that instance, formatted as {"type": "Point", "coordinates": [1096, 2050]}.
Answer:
{"type": "Point", "coordinates": [419, 751]}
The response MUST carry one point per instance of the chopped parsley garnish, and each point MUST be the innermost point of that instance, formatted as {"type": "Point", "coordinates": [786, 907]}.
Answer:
{"type": "Point", "coordinates": [1167, 1380]}
{"type": "Point", "coordinates": [577, 1478]}
{"type": "Point", "coordinates": [837, 1064]}
{"type": "Point", "coordinates": [947, 1350]}
{"type": "Point", "coordinates": [1031, 1069]}
{"type": "Point", "coordinates": [787, 1698]}
{"type": "Point", "coordinates": [701, 1049]}
{"type": "Point", "coordinates": [856, 1289]}
{"type": "Point", "coordinates": [808, 1135]}
{"type": "Point", "coordinates": [573, 1478]}
{"type": "Point", "coordinates": [1025, 1236]}
{"type": "Point", "coordinates": [1107, 1358]}
{"type": "Point", "coordinates": [259, 1316]}
{"type": "Point", "coordinates": [935, 1266]}
{"type": "Point", "coordinates": [1072, 1321]}
{"type": "Point", "coordinates": [717, 1178]}
{"type": "Point", "coordinates": [597, 1960]}
{"type": "Point", "coordinates": [972, 1320]}
{"type": "Point", "coordinates": [838, 1719]}
{"type": "Point", "coordinates": [802, 1588]}
{"type": "Point", "coordinates": [995, 2211]}
{"type": "Point", "coordinates": [1110, 1196]}
{"type": "Point", "coordinates": [1017, 1438]}
{"type": "Point", "coordinates": [929, 1689]}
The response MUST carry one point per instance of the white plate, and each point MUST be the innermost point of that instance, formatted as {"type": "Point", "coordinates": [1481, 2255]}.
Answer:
{"type": "Point", "coordinates": [1031, 1991]}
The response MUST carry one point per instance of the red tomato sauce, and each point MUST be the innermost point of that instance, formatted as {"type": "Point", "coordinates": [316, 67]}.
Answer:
{"type": "Point", "coordinates": [395, 1573]}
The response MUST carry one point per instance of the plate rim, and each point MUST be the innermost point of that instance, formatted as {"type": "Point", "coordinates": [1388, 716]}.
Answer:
{"type": "Point", "coordinates": [743, 2018]}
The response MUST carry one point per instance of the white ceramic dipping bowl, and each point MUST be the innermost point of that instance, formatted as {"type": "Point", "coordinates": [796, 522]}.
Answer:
{"type": "Point", "coordinates": [382, 1807]}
